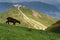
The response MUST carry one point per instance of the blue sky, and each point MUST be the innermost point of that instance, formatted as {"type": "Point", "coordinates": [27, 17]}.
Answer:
{"type": "Point", "coordinates": [53, 2]}
{"type": "Point", "coordinates": [46, 1]}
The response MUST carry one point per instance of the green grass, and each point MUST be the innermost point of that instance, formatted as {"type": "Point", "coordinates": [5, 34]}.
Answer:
{"type": "Point", "coordinates": [20, 31]}
{"type": "Point", "coordinates": [55, 27]}
{"type": "Point", "coordinates": [13, 12]}
{"type": "Point", "coordinates": [45, 19]}
{"type": "Point", "coordinates": [11, 32]}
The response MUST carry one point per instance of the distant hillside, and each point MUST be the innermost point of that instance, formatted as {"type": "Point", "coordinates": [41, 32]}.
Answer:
{"type": "Point", "coordinates": [42, 7]}
{"type": "Point", "coordinates": [38, 17]}
{"type": "Point", "coordinates": [5, 6]}
{"type": "Point", "coordinates": [55, 27]}
{"type": "Point", "coordinates": [10, 32]}
{"type": "Point", "coordinates": [49, 9]}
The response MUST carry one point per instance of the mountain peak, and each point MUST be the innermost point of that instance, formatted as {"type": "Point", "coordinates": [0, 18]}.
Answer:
{"type": "Point", "coordinates": [31, 19]}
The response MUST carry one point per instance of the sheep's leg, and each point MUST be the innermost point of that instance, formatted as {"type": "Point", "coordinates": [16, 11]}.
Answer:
{"type": "Point", "coordinates": [13, 23]}
{"type": "Point", "coordinates": [7, 22]}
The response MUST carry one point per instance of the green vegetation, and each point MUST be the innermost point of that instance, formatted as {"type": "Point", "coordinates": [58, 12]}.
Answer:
{"type": "Point", "coordinates": [38, 16]}
{"type": "Point", "coordinates": [11, 32]}
{"type": "Point", "coordinates": [20, 31]}
{"type": "Point", "coordinates": [12, 12]}
{"type": "Point", "coordinates": [42, 18]}
{"type": "Point", "coordinates": [55, 27]}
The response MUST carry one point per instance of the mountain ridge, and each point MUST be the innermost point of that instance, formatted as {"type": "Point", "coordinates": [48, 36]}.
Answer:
{"type": "Point", "coordinates": [48, 9]}
{"type": "Point", "coordinates": [13, 12]}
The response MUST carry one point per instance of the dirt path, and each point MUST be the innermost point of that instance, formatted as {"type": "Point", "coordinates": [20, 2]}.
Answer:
{"type": "Point", "coordinates": [35, 24]}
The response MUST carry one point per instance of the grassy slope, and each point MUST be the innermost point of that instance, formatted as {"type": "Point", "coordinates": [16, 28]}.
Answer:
{"type": "Point", "coordinates": [44, 19]}
{"type": "Point", "coordinates": [11, 32]}
{"type": "Point", "coordinates": [55, 27]}
{"type": "Point", "coordinates": [13, 12]}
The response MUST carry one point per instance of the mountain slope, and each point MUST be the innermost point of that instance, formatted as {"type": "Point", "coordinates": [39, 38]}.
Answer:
{"type": "Point", "coordinates": [5, 6]}
{"type": "Point", "coordinates": [55, 27]}
{"type": "Point", "coordinates": [42, 7]}
{"type": "Point", "coordinates": [10, 32]}
{"type": "Point", "coordinates": [31, 14]}
{"type": "Point", "coordinates": [49, 9]}
{"type": "Point", "coordinates": [38, 16]}
{"type": "Point", "coordinates": [32, 22]}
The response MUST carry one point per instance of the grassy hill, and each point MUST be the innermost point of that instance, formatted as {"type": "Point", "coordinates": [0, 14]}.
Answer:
{"type": "Point", "coordinates": [39, 16]}
{"type": "Point", "coordinates": [20, 31]}
{"type": "Point", "coordinates": [55, 27]}
{"type": "Point", "coordinates": [11, 32]}
{"type": "Point", "coordinates": [33, 14]}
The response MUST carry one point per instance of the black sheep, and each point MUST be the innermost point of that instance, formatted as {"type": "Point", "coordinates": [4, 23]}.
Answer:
{"type": "Point", "coordinates": [12, 20]}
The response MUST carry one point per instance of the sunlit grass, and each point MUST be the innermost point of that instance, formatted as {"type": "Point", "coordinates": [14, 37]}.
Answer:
{"type": "Point", "coordinates": [11, 32]}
